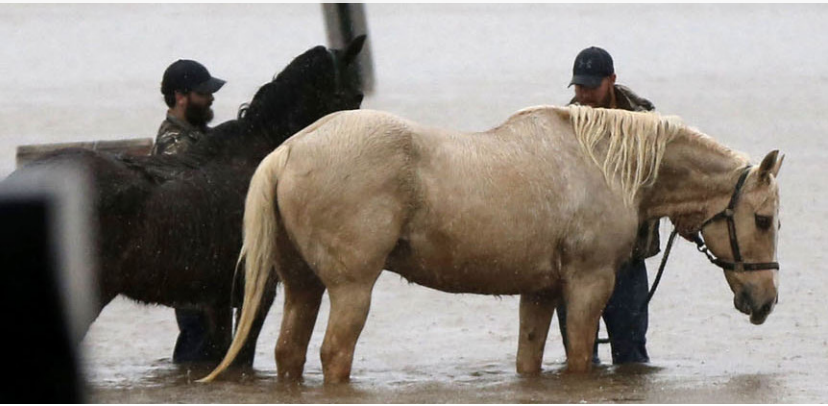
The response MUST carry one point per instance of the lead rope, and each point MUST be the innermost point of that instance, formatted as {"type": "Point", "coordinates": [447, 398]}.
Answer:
{"type": "Point", "coordinates": [655, 282]}
{"type": "Point", "coordinates": [660, 269]}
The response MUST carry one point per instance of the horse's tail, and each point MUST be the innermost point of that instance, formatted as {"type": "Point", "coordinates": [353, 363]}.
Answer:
{"type": "Point", "coordinates": [260, 228]}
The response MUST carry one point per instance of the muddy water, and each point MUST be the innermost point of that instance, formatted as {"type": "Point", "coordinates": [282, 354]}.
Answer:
{"type": "Point", "coordinates": [751, 76]}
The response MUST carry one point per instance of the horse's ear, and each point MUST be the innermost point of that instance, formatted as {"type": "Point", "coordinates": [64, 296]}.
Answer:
{"type": "Point", "coordinates": [770, 165]}
{"type": "Point", "coordinates": [775, 170]}
{"type": "Point", "coordinates": [353, 49]}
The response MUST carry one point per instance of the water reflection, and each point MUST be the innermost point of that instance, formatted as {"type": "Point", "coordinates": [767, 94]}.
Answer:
{"type": "Point", "coordinates": [489, 383]}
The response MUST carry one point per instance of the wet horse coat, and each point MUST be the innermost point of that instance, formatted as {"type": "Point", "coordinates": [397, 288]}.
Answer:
{"type": "Point", "coordinates": [546, 206]}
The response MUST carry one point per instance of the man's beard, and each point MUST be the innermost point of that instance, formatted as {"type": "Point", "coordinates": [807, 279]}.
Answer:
{"type": "Point", "coordinates": [198, 115]}
{"type": "Point", "coordinates": [605, 103]}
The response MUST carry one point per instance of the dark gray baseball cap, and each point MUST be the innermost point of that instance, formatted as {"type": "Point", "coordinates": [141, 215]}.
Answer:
{"type": "Point", "coordinates": [185, 75]}
{"type": "Point", "coordinates": [591, 66]}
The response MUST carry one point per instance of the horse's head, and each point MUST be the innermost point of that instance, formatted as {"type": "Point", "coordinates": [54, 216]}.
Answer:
{"type": "Point", "coordinates": [743, 237]}
{"type": "Point", "coordinates": [347, 83]}
{"type": "Point", "coordinates": [314, 84]}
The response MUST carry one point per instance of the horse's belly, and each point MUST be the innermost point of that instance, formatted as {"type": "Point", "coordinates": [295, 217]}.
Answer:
{"type": "Point", "coordinates": [484, 274]}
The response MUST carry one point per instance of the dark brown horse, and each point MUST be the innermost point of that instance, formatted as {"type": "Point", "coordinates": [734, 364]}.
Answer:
{"type": "Point", "coordinates": [169, 227]}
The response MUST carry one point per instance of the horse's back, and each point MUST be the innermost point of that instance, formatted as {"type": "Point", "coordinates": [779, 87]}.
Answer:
{"type": "Point", "coordinates": [113, 181]}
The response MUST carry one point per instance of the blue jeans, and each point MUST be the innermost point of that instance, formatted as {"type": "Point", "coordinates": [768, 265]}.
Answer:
{"type": "Point", "coordinates": [626, 322]}
{"type": "Point", "coordinates": [194, 343]}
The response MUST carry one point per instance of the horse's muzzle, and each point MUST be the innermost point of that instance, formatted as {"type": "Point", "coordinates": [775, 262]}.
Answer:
{"type": "Point", "coordinates": [758, 312]}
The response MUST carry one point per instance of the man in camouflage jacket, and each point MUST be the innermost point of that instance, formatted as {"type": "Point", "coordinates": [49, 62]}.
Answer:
{"type": "Point", "coordinates": [593, 75]}
{"type": "Point", "coordinates": [188, 90]}
{"type": "Point", "coordinates": [176, 136]}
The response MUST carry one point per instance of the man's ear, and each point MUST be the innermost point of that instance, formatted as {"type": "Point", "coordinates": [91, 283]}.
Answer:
{"type": "Point", "coordinates": [180, 98]}
{"type": "Point", "coordinates": [612, 79]}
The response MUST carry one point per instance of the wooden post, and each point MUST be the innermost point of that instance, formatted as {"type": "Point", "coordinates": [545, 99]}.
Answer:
{"type": "Point", "coordinates": [343, 22]}
{"type": "Point", "coordinates": [134, 146]}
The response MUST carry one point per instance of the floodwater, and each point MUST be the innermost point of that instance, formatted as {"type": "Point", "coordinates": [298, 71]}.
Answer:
{"type": "Point", "coordinates": [751, 76]}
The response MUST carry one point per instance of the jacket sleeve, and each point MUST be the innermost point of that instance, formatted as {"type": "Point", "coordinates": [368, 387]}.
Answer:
{"type": "Point", "coordinates": [171, 142]}
{"type": "Point", "coordinates": [648, 241]}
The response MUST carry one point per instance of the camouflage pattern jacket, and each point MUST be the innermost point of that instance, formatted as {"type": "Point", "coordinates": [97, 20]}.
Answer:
{"type": "Point", "coordinates": [648, 241]}
{"type": "Point", "coordinates": [176, 136]}
{"type": "Point", "coordinates": [626, 99]}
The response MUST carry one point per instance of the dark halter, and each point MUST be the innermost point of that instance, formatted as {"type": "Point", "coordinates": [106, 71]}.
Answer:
{"type": "Point", "coordinates": [727, 214]}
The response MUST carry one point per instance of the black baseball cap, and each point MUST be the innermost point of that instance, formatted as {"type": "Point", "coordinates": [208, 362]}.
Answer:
{"type": "Point", "coordinates": [591, 66]}
{"type": "Point", "coordinates": [185, 75]}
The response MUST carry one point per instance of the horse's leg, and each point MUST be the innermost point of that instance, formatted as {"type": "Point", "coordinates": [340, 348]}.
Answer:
{"type": "Point", "coordinates": [347, 244]}
{"type": "Point", "coordinates": [86, 322]}
{"type": "Point", "coordinates": [585, 298]}
{"type": "Point", "coordinates": [536, 311]}
{"type": "Point", "coordinates": [302, 301]}
{"type": "Point", "coordinates": [350, 303]}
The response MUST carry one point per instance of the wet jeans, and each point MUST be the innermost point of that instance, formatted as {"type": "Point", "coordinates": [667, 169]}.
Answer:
{"type": "Point", "coordinates": [626, 323]}
{"type": "Point", "coordinates": [194, 342]}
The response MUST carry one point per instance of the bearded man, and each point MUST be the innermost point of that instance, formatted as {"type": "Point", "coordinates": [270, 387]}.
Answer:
{"type": "Point", "coordinates": [593, 75]}
{"type": "Point", "coordinates": [188, 90]}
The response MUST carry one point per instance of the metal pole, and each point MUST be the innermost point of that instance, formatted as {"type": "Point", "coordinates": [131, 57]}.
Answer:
{"type": "Point", "coordinates": [343, 22]}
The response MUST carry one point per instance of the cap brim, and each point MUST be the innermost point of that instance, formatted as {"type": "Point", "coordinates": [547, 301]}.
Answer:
{"type": "Point", "coordinates": [210, 86]}
{"type": "Point", "coordinates": [587, 81]}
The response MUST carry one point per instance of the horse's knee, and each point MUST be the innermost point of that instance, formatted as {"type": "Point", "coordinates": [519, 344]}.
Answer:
{"type": "Point", "coordinates": [330, 355]}
{"type": "Point", "coordinates": [529, 367]}
{"type": "Point", "coordinates": [290, 363]}
{"type": "Point", "coordinates": [336, 364]}
{"type": "Point", "coordinates": [289, 356]}
{"type": "Point", "coordinates": [337, 368]}
{"type": "Point", "coordinates": [578, 365]}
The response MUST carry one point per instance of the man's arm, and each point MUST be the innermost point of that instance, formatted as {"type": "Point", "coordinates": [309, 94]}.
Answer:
{"type": "Point", "coordinates": [172, 142]}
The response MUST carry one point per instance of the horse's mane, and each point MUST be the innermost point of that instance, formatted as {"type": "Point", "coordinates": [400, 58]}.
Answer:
{"type": "Point", "coordinates": [635, 143]}
{"type": "Point", "coordinates": [271, 112]}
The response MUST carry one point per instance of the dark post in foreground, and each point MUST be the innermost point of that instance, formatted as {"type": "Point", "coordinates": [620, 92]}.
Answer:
{"type": "Point", "coordinates": [344, 22]}
{"type": "Point", "coordinates": [45, 293]}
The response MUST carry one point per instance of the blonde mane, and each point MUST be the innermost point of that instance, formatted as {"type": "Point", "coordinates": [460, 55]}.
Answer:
{"type": "Point", "coordinates": [634, 144]}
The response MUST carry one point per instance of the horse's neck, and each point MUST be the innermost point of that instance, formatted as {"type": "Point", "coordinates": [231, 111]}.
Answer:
{"type": "Point", "coordinates": [695, 180]}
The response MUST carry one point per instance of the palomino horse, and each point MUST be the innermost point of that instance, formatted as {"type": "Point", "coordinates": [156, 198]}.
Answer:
{"type": "Point", "coordinates": [546, 206]}
{"type": "Point", "coordinates": [168, 225]}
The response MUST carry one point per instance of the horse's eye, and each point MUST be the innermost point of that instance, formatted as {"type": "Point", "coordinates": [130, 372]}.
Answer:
{"type": "Point", "coordinates": [763, 222]}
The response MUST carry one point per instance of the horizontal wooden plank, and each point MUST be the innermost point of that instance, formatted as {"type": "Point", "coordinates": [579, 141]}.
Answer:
{"type": "Point", "coordinates": [132, 146]}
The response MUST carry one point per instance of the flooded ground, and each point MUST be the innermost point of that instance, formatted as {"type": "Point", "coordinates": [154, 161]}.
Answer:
{"type": "Point", "coordinates": [752, 76]}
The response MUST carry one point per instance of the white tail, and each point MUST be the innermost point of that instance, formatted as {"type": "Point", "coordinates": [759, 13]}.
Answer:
{"type": "Point", "coordinates": [260, 228]}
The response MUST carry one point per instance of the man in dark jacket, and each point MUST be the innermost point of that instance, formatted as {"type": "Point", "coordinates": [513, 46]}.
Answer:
{"type": "Point", "coordinates": [593, 75]}
{"type": "Point", "coordinates": [188, 90]}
